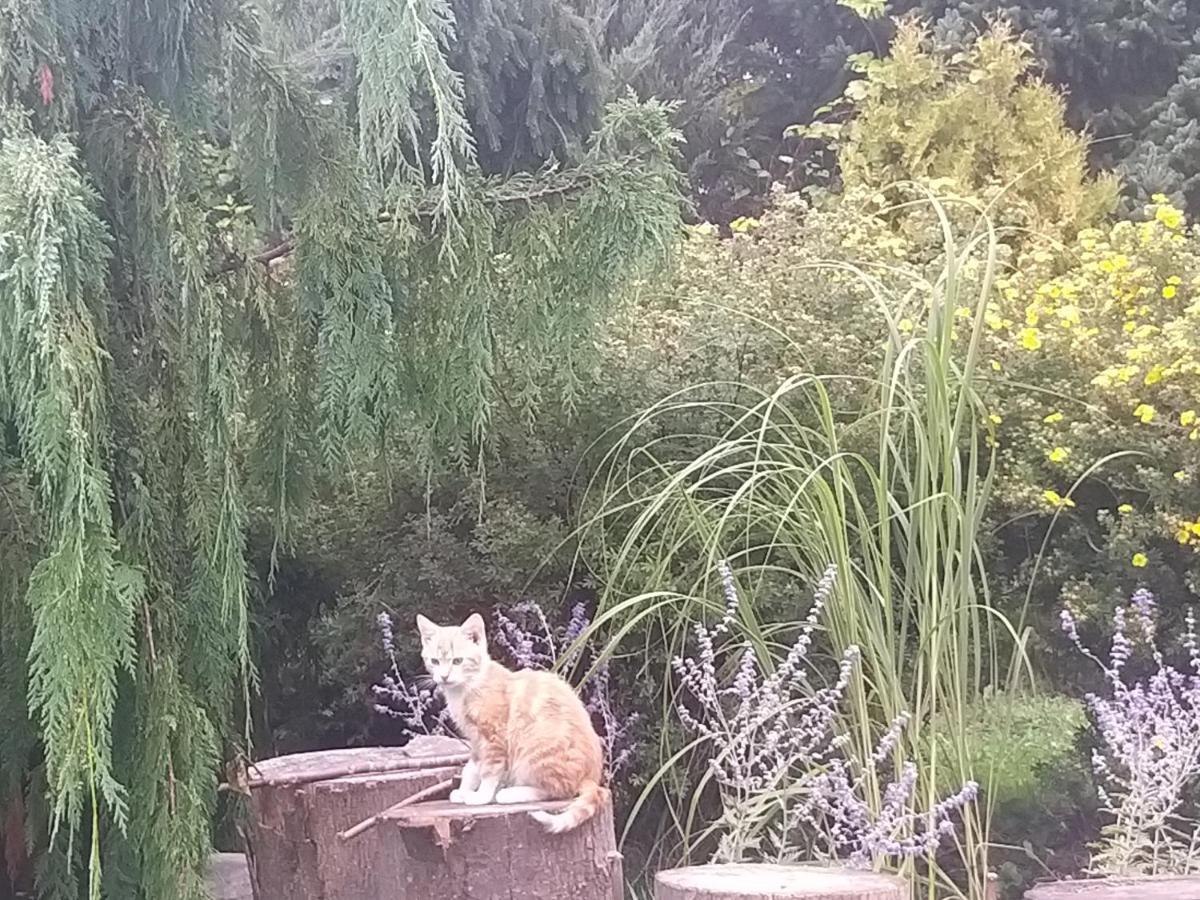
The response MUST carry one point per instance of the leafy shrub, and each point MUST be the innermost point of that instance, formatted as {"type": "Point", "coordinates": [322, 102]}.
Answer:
{"type": "Point", "coordinates": [1095, 348]}
{"type": "Point", "coordinates": [977, 121]}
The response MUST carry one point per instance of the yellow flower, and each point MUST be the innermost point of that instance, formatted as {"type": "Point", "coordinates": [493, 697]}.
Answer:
{"type": "Point", "coordinates": [1174, 279]}
{"type": "Point", "coordinates": [1124, 509]}
{"type": "Point", "coordinates": [995, 419]}
{"type": "Point", "coordinates": [1154, 376]}
{"type": "Point", "coordinates": [1145, 413]}
{"type": "Point", "coordinates": [996, 365]}
{"type": "Point", "coordinates": [1168, 216]}
{"type": "Point", "coordinates": [1139, 560]}
{"type": "Point", "coordinates": [1188, 417]}
{"type": "Point", "coordinates": [1069, 315]}
{"type": "Point", "coordinates": [743, 224]}
{"type": "Point", "coordinates": [1180, 476]}
{"type": "Point", "coordinates": [905, 325]}
{"type": "Point", "coordinates": [1055, 499]}
{"type": "Point", "coordinates": [1030, 339]}
{"type": "Point", "coordinates": [1169, 292]}
{"type": "Point", "coordinates": [1058, 455]}
{"type": "Point", "coordinates": [1053, 417]}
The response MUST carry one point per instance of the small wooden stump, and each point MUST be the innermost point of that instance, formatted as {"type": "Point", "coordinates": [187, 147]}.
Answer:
{"type": "Point", "coordinates": [1167, 887]}
{"type": "Point", "coordinates": [447, 851]}
{"type": "Point", "coordinates": [228, 877]}
{"type": "Point", "coordinates": [299, 803]}
{"type": "Point", "coordinates": [753, 881]}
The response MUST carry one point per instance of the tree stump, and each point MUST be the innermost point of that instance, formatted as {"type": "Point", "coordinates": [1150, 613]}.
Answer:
{"type": "Point", "coordinates": [447, 851]}
{"type": "Point", "coordinates": [228, 877]}
{"type": "Point", "coordinates": [1167, 887]}
{"type": "Point", "coordinates": [299, 803]}
{"type": "Point", "coordinates": [768, 882]}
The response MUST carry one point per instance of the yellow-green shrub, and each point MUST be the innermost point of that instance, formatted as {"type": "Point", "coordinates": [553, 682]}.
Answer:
{"type": "Point", "coordinates": [977, 122]}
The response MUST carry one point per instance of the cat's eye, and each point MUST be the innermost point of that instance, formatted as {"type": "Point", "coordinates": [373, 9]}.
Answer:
{"type": "Point", "coordinates": [431, 660]}
{"type": "Point", "coordinates": [457, 660]}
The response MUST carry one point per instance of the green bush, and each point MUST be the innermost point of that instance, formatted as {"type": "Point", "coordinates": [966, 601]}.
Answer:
{"type": "Point", "coordinates": [978, 121]}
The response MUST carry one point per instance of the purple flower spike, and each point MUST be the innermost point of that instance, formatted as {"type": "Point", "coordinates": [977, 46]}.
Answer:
{"type": "Point", "coordinates": [776, 735]}
{"type": "Point", "coordinates": [1148, 763]}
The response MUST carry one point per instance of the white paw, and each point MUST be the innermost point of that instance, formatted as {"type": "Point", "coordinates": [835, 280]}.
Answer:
{"type": "Point", "coordinates": [518, 794]}
{"type": "Point", "coordinates": [475, 798]}
{"type": "Point", "coordinates": [458, 795]}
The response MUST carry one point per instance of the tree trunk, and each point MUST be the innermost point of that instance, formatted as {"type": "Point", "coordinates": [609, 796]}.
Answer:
{"type": "Point", "coordinates": [299, 803]}
{"type": "Point", "coordinates": [447, 851]}
{"type": "Point", "coordinates": [769, 882]}
{"type": "Point", "coordinates": [1181, 887]}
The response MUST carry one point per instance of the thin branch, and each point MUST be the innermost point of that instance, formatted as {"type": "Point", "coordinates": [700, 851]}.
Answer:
{"type": "Point", "coordinates": [394, 765]}
{"type": "Point", "coordinates": [520, 189]}
{"type": "Point", "coordinates": [367, 824]}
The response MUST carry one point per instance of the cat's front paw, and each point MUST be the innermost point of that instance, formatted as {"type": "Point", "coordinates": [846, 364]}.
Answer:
{"type": "Point", "coordinates": [458, 795]}
{"type": "Point", "coordinates": [475, 798]}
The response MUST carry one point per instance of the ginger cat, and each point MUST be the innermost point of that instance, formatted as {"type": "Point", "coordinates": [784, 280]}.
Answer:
{"type": "Point", "coordinates": [531, 737]}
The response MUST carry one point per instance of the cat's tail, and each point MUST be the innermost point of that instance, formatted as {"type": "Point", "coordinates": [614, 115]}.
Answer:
{"type": "Point", "coordinates": [591, 797]}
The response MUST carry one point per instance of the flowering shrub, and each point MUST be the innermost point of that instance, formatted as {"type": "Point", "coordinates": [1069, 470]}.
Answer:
{"type": "Point", "coordinates": [1148, 763]}
{"type": "Point", "coordinates": [1095, 348]}
{"type": "Point", "coordinates": [526, 636]}
{"type": "Point", "coordinates": [777, 754]}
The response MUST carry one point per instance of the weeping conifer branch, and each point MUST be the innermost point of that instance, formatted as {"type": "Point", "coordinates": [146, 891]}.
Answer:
{"type": "Point", "coordinates": [165, 397]}
{"type": "Point", "coordinates": [401, 48]}
{"type": "Point", "coordinates": [53, 254]}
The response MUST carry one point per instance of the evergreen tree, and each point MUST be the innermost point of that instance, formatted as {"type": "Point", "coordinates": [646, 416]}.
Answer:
{"type": "Point", "coordinates": [234, 262]}
{"type": "Point", "coordinates": [1166, 156]}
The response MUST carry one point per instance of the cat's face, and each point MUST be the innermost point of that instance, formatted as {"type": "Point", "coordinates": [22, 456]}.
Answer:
{"type": "Point", "coordinates": [454, 654]}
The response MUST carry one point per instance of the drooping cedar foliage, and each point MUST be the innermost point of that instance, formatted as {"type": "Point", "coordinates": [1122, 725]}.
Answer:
{"type": "Point", "coordinates": [233, 260]}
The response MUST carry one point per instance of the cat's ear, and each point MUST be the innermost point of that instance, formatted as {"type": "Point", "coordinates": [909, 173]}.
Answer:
{"type": "Point", "coordinates": [426, 628]}
{"type": "Point", "coordinates": [473, 629]}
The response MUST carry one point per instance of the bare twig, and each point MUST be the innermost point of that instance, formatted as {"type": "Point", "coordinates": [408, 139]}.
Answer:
{"type": "Point", "coordinates": [377, 768]}
{"type": "Point", "coordinates": [519, 189]}
{"type": "Point", "coordinates": [367, 824]}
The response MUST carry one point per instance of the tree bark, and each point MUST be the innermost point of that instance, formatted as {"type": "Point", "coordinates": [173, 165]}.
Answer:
{"type": "Point", "coordinates": [1181, 887]}
{"type": "Point", "coordinates": [770, 882]}
{"type": "Point", "coordinates": [299, 803]}
{"type": "Point", "coordinates": [447, 851]}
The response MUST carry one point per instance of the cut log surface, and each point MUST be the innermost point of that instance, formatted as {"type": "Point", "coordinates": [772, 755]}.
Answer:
{"type": "Point", "coordinates": [1183, 887]}
{"type": "Point", "coordinates": [447, 851]}
{"type": "Point", "coordinates": [753, 881]}
{"type": "Point", "coordinates": [299, 803]}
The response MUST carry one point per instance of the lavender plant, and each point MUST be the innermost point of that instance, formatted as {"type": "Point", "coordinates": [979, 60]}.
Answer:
{"type": "Point", "coordinates": [1147, 766]}
{"type": "Point", "coordinates": [778, 753]}
{"type": "Point", "coordinates": [525, 635]}
{"type": "Point", "coordinates": [415, 702]}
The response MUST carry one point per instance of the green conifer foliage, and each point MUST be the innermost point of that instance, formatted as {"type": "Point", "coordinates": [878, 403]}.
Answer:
{"type": "Point", "coordinates": [220, 281]}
